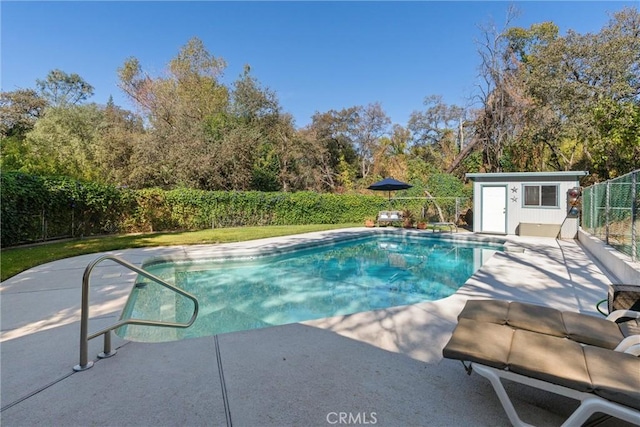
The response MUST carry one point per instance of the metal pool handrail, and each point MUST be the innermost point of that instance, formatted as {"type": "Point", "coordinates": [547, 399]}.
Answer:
{"type": "Point", "coordinates": [84, 315]}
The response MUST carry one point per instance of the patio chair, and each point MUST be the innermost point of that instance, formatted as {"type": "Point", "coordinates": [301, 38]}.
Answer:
{"type": "Point", "coordinates": [388, 217]}
{"type": "Point", "coordinates": [621, 297]}
{"type": "Point", "coordinates": [582, 357]}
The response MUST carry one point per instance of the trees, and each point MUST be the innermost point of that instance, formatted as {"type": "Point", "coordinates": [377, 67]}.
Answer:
{"type": "Point", "coordinates": [19, 111]}
{"type": "Point", "coordinates": [346, 143]}
{"type": "Point", "coordinates": [50, 131]}
{"type": "Point", "coordinates": [429, 126]}
{"type": "Point", "coordinates": [331, 151]}
{"type": "Point", "coordinates": [370, 123]}
{"type": "Point", "coordinates": [274, 152]}
{"type": "Point", "coordinates": [288, 150]}
{"type": "Point", "coordinates": [499, 124]}
{"type": "Point", "coordinates": [119, 135]}
{"type": "Point", "coordinates": [176, 107]}
{"type": "Point", "coordinates": [61, 89]}
{"type": "Point", "coordinates": [501, 117]}
{"type": "Point", "coordinates": [437, 131]}
{"type": "Point", "coordinates": [392, 155]}
{"type": "Point", "coordinates": [582, 86]}
{"type": "Point", "coordinates": [545, 102]}
{"type": "Point", "coordinates": [62, 142]}
{"type": "Point", "coordinates": [551, 102]}
{"type": "Point", "coordinates": [252, 103]}
{"type": "Point", "coordinates": [616, 150]}
{"type": "Point", "coordinates": [204, 134]}
{"type": "Point", "coordinates": [190, 91]}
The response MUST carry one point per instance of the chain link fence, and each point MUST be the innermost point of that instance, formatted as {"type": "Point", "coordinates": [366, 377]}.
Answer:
{"type": "Point", "coordinates": [61, 224]}
{"type": "Point", "coordinates": [610, 212]}
{"type": "Point", "coordinates": [438, 209]}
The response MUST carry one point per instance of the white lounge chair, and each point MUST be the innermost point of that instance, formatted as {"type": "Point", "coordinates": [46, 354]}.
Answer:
{"type": "Point", "coordinates": [582, 357]}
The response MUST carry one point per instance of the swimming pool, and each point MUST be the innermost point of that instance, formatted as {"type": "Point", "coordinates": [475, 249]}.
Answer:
{"type": "Point", "coordinates": [352, 276]}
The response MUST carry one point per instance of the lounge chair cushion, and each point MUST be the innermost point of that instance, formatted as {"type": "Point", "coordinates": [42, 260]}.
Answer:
{"type": "Point", "coordinates": [615, 375]}
{"type": "Point", "coordinates": [609, 374]}
{"type": "Point", "coordinates": [536, 318]}
{"type": "Point", "coordinates": [482, 342]}
{"type": "Point", "coordinates": [530, 317]}
{"type": "Point", "coordinates": [546, 320]}
{"type": "Point", "coordinates": [589, 367]}
{"type": "Point", "coordinates": [552, 359]}
{"type": "Point", "coordinates": [494, 311]}
{"type": "Point", "coordinates": [592, 330]}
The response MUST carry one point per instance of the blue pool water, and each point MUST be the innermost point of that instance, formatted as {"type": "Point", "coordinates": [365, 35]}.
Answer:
{"type": "Point", "coordinates": [344, 278]}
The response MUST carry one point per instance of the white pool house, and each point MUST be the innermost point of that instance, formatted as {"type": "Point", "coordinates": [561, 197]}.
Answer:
{"type": "Point", "coordinates": [525, 203]}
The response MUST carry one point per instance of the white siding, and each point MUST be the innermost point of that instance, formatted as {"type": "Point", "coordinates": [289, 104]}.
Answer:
{"type": "Point", "coordinates": [517, 213]}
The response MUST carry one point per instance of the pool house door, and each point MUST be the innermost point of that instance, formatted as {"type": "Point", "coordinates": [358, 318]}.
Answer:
{"type": "Point", "coordinates": [494, 209]}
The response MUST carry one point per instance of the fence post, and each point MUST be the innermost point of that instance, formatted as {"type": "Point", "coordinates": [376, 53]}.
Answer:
{"type": "Point", "coordinates": [634, 213]}
{"type": "Point", "coordinates": [606, 211]}
{"type": "Point", "coordinates": [44, 225]}
{"type": "Point", "coordinates": [593, 209]}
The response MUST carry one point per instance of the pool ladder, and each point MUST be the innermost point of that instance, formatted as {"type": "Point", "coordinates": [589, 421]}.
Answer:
{"type": "Point", "coordinates": [85, 363]}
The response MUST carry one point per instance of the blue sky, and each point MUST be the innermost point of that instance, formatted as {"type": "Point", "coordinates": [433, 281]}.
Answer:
{"type": "Point", "coordinates": [316, 56]}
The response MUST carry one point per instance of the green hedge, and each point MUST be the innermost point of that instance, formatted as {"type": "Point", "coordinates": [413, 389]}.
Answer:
{"type": "Point", "coordinates": [36, 208]}
{"type": "Point", "coordinates": [196, 209]}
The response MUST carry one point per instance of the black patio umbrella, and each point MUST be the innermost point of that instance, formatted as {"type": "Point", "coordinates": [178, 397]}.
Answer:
{"type": "Point", "coordinates": [389, 184]}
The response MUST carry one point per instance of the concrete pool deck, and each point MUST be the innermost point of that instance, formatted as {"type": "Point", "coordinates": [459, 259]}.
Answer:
{"type": "Point", "coordinates": [381, 368]}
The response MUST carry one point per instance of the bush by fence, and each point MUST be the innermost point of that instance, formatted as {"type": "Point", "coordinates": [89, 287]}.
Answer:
{"type": "Point", "coordinates": [38, 208]}
{"type": "Point", "coordinates": [197, 209]}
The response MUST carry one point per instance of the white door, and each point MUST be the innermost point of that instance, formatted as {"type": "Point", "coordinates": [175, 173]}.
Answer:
{"type": "Point", "coordinates": [494, 210]}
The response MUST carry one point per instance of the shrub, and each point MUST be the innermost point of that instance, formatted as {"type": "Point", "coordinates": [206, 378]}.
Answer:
{"type": "Point", "coordinates": [36, 208]}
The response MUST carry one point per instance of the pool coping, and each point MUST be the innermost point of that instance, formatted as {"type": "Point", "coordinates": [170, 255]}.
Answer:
{"type": "Point", "coordinates": [322, 239]}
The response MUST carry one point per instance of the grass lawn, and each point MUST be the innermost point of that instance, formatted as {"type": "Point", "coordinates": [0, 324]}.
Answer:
{"type": "Point", "coordinates": [16, 260]}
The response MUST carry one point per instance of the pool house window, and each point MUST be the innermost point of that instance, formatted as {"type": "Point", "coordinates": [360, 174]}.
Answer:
{"type": "Point", "coordinates": [541, 195]}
